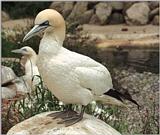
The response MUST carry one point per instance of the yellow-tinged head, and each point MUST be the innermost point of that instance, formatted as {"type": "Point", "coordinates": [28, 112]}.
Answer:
{"type": "Point", "coordinates": [49, 21]}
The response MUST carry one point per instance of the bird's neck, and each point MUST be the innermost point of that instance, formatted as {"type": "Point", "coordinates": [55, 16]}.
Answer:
{"type": "Point", "coordinates": [30, 63]}
{"type": "Point", "coordinates": [32, 58]}
{"type": "Point", "coordinates": [51, 42]}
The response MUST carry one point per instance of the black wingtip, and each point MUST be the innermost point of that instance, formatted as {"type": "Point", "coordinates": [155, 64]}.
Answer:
{"type": "Point", "coordinates": [119, 96]}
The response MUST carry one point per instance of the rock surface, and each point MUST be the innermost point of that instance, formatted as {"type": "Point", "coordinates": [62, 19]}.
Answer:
{"type": "Point", "coordinates": [43, 125]}
{"type": "Point", "coordinates": [78, 10]}
{"type": "Point", "coordinates": [7, 75]}
{"type": "Point", "coordinates": [68, 6]}
{"type": "Point", "coordinates": [155, 20]}
{"type": "Point", "coordinates": [117, 5]}
{"type": "Point", "coordinates": [7, 93]}
{"type": "Point", "coordinates": [103, 11]}
{"type": "Point", "coordinates": [137, 14]}
{"type": "Point", "coordinates": [5, 16]}
{"type": "Point", "coordinates": [116, 18]}
{"type": "Point", "coordinates": [57, 5]}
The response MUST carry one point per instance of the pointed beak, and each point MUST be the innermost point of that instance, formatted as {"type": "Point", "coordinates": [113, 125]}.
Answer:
{"type": "Point", "coordinates": [17, 51]}
{"type": "Point", "coordinates": [34, 31]}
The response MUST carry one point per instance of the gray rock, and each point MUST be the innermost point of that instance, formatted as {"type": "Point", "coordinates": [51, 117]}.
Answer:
{"type": "Point", "coordinates": [79, 9]}
{"type": "Point", "coordinates": [8, 92]}
{"type": "Point", "coordinates": [127, 5]}
{"type": "Point", "coordinates": [116, 18]}
{"type": "Point", "coordinates": [153, 4]}
{"type": "Point", "coordinates": [57, 5]}
{"type": "Point", "coordinates": [68, 6]}
{"type": "Point", "coordinates": [44, 125]}
{"type": "Point", "coordinates": [7, 75]}
{"type": "Point", "coordinates": [153, 13]}
{"type": "Point", "coordinates": [94, 20]}
{"type": "Point", "coordinates": [103, 11]}
{"type": "Point", "coordinates": [137, 14]}
{"type": "Point", "coordinates": [85, 18]}
{"type": "Point", "coordinates": [5, 16]}
{"type": "Point", "coordinates": [155, 20]}
{"type": "Point", "coordinates": [117, 5]}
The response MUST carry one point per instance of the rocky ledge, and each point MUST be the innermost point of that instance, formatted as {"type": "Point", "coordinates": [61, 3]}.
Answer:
{"type": "Point", "coordinates": [44, 125]}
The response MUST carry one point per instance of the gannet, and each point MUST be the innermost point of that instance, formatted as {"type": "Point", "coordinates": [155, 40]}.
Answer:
{"type": "Point", "coordinates": [72, 77]}
{"type": "Point", "coordinates": [31, 70]}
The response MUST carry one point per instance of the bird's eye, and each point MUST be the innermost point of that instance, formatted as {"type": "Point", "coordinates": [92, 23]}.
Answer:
{"type": "Point", "coordinates": [46, 23]}
{"type": "Point", "coordinates": [24, 49]}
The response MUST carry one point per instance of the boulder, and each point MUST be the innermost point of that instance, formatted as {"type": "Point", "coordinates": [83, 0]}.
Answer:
{"type": "Point", "coordinates": [155, 20]}
{"type": "Point", "coordinates": [5, 16]}
{"type": "Point", "coordinates": [67, 9]}
{"type": "Point", "coordinates": [57, 5]}
{"type": "Point", "coordinates": [103, 11]}
{"type": "Point", "coordinates": [44, 125]}
{"type": "Point", "coordinates": [8, 93]}
{"type": "Point", "coordinates": [117, 5]}
{"type": "Point", "coordinates": [153, 4]}
{"type": "Point", "coordinates": [7, 75]}
{"type": "Point", "coordinates": [153, 13]}
{"type": "Point", "coordinates": [79, 9]}
{"type": "Point", "coordinates": [85, 18]}
{"type": "Point", "coordinates": [137, 14]}
{"type": "Point", "coordinates": [116, 18]}
{"type": "Point", "coordinates": [94, 19]}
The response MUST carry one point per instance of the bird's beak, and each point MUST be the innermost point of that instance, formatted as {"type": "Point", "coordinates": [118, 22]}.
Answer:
{"type": "Point", "coordinates": [17, 51]}
{"type": "Point", "coordinates": [34, 31]}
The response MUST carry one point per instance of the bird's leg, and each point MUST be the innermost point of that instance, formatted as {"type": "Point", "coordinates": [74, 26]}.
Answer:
{"type": "Point", "coordinates": [72, 120]}
{"type": "Point", "coordinates": [63, 114]}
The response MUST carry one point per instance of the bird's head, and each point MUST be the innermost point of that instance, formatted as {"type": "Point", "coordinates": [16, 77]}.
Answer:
{"type": "Point", "coordinates": [25, 51]}
{"type": "Point", "coordinates": [49, 21]}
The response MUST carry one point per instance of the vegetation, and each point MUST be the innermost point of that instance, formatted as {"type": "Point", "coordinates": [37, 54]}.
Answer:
{"type": "Point", "coordinates": [23, 9]}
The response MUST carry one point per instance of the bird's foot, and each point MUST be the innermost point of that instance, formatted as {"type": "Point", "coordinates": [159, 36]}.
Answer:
{"type": "Point", "coordinates": [68, 121]}
{"type": "Point", "coordinates": [63, 114]}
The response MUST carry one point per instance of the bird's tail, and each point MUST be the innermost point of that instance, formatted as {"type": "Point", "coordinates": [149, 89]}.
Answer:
{"type": "Point", "coordinates": [114, 97]}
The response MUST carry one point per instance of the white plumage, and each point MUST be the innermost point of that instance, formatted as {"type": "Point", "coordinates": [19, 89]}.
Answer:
{"type": "Point", "coordinates": [68, 74]}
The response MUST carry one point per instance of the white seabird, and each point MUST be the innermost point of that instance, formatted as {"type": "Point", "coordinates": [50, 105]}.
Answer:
{"type": "Point", "coordinates": [73, 78]}
{"type": "Point", "coordinates": [31, 70]}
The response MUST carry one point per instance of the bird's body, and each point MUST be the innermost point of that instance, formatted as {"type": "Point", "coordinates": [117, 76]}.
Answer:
{"type": "Point", "coordinates": [72, 77]}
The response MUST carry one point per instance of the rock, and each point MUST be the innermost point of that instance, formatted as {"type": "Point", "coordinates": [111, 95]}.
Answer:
{"type": "Point", "coordinates": [79, 9]}
{"type": "Point", "coordinates": [155, 20]}
{"type": "Point", "coordinates": [7, 75]}
{"type": "Point", "coordinates": [85, 18]}
{"type": "Point", "coordinates": [137, 14]}
{"type": "Point", "coordinates": [57, 5]}
{"type": "Point", "coordinates": [94, 20]}
{"type": "Point", "coordinates": [68, 6]}
{"type": "Point", "coordinates": [103, 11]}
{"type": "Point", "coordinates": [153, 4]}
{"type": "Point", "coordinates": [127, 5]}
{"type": "Point", "coordinates": [116, 18]}
{"type": "Point", "coordinates": [44, 125]}
{"type": "Point", "coordinates": [5, 16]}
{"type": "Point", "coordinates": [7, 93]}
{"type": "Point", "coordinates": [153, 13]}
{"type": "Point", "coordinates": [117, 5]}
